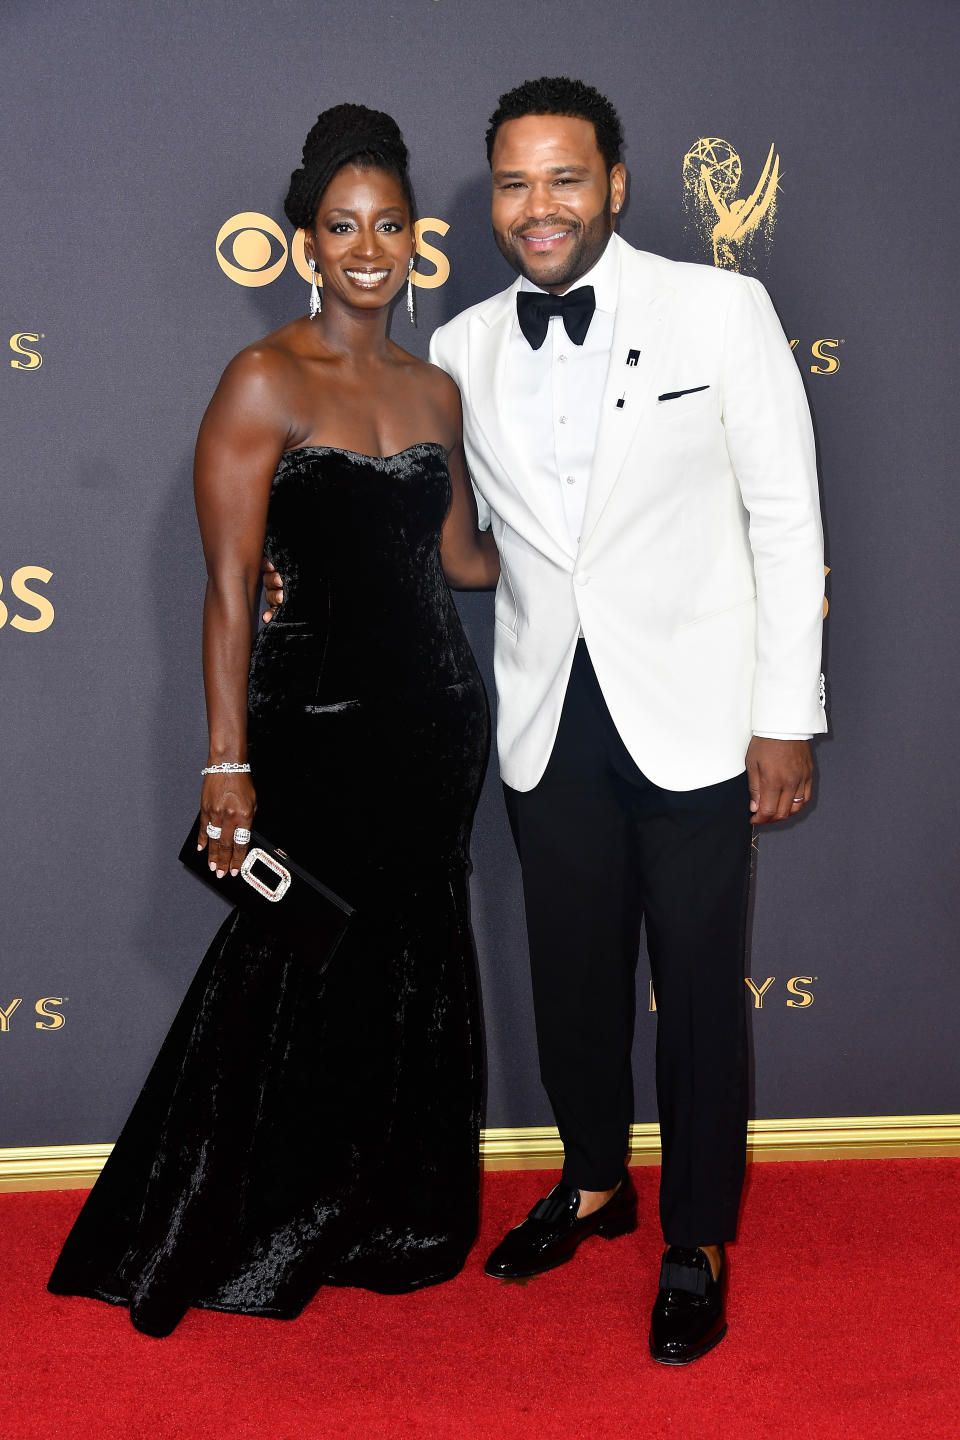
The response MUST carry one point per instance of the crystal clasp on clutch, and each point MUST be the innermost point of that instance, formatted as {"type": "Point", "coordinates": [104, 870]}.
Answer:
{"type": "Point", "coordinates": [275, 892]}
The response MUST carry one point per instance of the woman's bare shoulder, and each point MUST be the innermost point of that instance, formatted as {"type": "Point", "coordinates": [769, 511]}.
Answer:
{"type": "Point", "coordinates": [273, 359]}
{"type": "Point", "coordinates": [437, 384]}
{"type": "Point", "coordinates": [260, 379]}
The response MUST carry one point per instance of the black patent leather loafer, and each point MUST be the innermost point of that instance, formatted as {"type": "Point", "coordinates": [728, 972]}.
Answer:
{"type": "Point", "coordinates": [551, 1232]}
{"type": "Point", "coordinates": [688, 1314]}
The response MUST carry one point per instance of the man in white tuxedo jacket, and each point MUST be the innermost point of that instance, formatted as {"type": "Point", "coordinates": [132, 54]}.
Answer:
{"type": "Point", "coordinates": [643, 454]}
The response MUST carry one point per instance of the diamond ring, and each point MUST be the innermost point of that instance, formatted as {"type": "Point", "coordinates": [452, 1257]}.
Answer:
{"type": "Point", "coordinates": [214, 832]}
{"type": "Point", "coordinates": [241, 836]}
{"type": "Point", "coordinates": [798, 800]}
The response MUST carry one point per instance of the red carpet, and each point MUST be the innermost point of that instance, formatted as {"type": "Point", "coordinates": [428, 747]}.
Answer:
{"type": "Point", "coordinates": [844, 1325]}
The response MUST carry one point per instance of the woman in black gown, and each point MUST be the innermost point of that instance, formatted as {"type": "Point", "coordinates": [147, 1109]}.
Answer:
{"type": "Point", "coordinates": [298, 1130]}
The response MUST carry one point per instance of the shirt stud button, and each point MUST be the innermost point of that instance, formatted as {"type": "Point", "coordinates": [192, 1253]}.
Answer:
{"type": "Point", "coordinates": [571, 479]}
{"type": "Point", "coordinates": [563, 419]}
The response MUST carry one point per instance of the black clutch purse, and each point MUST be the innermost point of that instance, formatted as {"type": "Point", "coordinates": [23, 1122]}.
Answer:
{"type": "Point", "coordinates": [279, 893]}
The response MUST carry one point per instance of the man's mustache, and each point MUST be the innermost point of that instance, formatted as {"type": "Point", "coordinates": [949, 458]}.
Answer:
{"type": "Point", "coordinates": [538, 227]}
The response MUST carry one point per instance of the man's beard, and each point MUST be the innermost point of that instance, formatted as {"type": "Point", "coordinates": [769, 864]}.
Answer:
{"type": "Point", "coordinates": [589, 242]}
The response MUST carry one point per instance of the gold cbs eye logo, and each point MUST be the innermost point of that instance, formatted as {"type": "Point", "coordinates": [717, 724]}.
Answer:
{"type": "Point", "coordinates": [252, 250]}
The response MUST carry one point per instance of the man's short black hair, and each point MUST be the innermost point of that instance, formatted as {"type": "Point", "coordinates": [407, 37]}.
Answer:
{"type": "Point", "coordinates": [559, 95]}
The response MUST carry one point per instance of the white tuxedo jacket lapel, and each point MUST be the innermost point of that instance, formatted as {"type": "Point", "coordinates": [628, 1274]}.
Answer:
{"type": "Point", "coordinates": [639, 325]}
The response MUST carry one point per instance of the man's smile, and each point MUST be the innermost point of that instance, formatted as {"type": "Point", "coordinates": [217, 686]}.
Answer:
{"type": "Point", "coordinates": [539, 241]}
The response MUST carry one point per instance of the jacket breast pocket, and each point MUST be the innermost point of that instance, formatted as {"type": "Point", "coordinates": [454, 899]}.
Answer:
{"type": "Point", "coordinates": [686, 406]}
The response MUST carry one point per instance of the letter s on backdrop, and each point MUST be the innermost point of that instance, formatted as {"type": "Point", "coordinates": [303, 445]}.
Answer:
{"type": "Point", "coordinates": [21, 589]}
{"type": "Point", "coordinates": [430, 252]}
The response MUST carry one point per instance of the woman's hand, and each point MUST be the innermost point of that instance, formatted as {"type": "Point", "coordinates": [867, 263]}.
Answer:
{"type": "Point", "coordinates": [227, 803]}
{"type": "Point", "coordinates": [272, 588]}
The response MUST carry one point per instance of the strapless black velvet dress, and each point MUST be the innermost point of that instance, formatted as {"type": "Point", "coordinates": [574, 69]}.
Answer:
{"type": "Point", "coordinates": [298, 1130]}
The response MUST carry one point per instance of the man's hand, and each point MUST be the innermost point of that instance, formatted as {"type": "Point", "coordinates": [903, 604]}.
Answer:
{"type": "Point", "coordinates": [272, 588]}
{"type": "Point", "coordinates": [780, 773]}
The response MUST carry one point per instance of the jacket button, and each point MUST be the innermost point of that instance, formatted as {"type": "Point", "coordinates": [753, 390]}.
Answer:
{"type": "Point", "coordinates": [581, 579]}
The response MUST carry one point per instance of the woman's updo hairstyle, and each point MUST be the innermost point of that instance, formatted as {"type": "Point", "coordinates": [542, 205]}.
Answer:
{"type": "Point", "coordinates": [345, 135]}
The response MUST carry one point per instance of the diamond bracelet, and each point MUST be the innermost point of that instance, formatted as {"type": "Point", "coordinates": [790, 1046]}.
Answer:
{"type": "Point", "coordinates": [228, 767]}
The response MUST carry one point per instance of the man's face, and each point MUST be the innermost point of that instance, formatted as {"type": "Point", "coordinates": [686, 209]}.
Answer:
{"type": "Point", "coordinates": [553, 201]}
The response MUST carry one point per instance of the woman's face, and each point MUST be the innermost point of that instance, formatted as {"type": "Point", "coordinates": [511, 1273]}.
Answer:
{"type": "Point", "coordinates": [362, 238]}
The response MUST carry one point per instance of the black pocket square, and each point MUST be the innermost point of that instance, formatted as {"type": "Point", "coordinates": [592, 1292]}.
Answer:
{"type": "Point", "coordinates": [675, 394]}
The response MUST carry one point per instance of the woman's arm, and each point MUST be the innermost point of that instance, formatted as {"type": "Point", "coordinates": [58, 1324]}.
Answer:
{"type": "Point", "coordinates": [241, 439]}
{"type": "Point", "coordinates": [468, 554]}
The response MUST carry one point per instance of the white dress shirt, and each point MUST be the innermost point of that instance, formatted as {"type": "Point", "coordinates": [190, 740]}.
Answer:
{"type": "Point", "coordinates": [554, 394]}
{"type": "Point", "coordinates": [552, 400]}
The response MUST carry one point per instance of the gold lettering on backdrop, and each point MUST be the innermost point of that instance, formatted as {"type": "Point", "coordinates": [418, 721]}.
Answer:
{"type": "Point", "coordinates": [6, 1014]}
{"type": "Point", "coordinates": [25, 355]}
{"type": "Point", "coordinates": [803, 998]}
{"type": "Point", "coordinates": [827, 364]}
{"type": "Point", "coordinates": [731, 225]}
{"type": "Point", "coordinates": [20, 588]}
{"type": "Point", "coordinates": [441, 274]}
{"type": "Point", "coordinates": [49, 1019]}
{"type": "Point", "coordinates": [299, 257]}
{"type": "Point", "coordinates": [796, 987]}
{"type": "Point", "coordinates": [830, 364]}
{"type": "Point", "coordinates": [47, 1009]}
{"type": "Point", "coordinates": [758, 992]}
{"type": "Point", "coordinates": [252, 250]}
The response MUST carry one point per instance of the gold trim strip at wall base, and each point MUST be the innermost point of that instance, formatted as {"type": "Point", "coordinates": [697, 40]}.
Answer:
{"type": "Point", "coordinates": [832, 1138]}
{"type": "Point", "coordinates": [73, 1167]}
{"type": "Point", "coordinates": [52, 1167]}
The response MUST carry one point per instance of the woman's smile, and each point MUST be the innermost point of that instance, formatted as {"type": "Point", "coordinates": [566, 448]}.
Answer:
{"type": "Point", "coordinates": [367, 279]}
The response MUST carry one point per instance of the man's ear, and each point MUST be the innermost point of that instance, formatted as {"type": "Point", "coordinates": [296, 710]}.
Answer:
{"type": "Point", "coordinates": [618, 187]}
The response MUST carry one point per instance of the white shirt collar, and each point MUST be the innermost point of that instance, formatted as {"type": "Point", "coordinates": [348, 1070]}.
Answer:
{"type": "Point", "coordinates": [604, 276]}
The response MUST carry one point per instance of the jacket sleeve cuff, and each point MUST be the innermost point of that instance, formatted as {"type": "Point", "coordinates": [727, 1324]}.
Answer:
{"type": "Point", "coordinates": [769, 735]}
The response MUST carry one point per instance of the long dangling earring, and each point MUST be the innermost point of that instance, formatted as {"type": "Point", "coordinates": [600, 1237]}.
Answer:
{"type": "Point", "coordinates": [316, 304]}
{"type": "Point", "coordinates": [410, 310]}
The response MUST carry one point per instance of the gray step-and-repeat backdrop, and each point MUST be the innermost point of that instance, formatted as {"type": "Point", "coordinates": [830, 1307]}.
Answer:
{"type": "Point", "coordinates": [143, 243]}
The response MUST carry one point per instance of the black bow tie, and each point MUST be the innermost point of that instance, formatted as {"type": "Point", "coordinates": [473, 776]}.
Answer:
{"type": "Point", "coordinates": [576, 308]}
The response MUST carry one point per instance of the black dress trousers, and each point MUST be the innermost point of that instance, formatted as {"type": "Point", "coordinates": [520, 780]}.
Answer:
{"type": "Point", "coordinates": [602, 850]}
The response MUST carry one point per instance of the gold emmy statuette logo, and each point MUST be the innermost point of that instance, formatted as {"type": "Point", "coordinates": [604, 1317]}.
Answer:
{"type": "Point", "coordinates": [20, 589]}
{"type": "Point", "coordinates": [25, 354]}
{"type": "Point", "coordinates": [731, 225]}
{"type": "Point", "coordinates": [252, 250]}
{"type": "Point", "coordinates": [47, 1009]}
